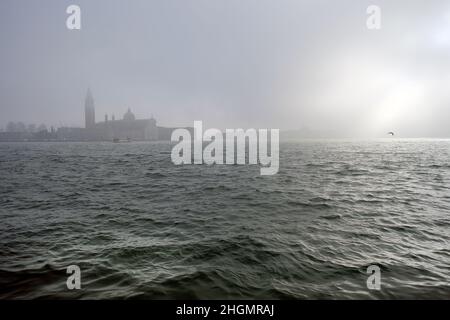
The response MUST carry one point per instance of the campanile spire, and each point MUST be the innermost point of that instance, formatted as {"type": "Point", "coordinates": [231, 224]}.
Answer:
{"type": "Point", "coordinates": [89, 110]}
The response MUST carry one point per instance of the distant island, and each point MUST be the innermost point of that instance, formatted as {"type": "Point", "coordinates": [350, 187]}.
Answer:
{"type": "Point", "coordinates": [126, 129]}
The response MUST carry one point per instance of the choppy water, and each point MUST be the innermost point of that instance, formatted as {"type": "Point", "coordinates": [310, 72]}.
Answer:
{"type": "Point", "coordinates": [140, 227]}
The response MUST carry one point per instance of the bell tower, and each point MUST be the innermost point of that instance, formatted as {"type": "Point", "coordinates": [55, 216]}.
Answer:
{"type": "Point", "coordinates": [89, 110]}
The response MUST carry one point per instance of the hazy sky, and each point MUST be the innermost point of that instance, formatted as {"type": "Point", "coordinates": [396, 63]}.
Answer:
{"type": "Point", "coordinates": [231, 63]}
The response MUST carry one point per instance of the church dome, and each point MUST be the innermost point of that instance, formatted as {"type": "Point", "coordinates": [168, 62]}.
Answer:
{"type": "Point", "coordinates": [129, 115]}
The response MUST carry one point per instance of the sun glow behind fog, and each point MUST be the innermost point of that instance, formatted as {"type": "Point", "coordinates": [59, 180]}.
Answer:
{"type": "Point", "coordinates": [389, 101]}
{"type": "Point", "coordinates": [394, 79]}
{"type": "Point", "coordinates": [379, 96]}
{"type": "Point", "coordinates": [441, 33]}
{"type": "Point", "coordinates": [403, 104]}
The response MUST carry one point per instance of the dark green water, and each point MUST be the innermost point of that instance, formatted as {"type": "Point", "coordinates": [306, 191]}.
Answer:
{"type": "Point", "coordinates": [140, 227]}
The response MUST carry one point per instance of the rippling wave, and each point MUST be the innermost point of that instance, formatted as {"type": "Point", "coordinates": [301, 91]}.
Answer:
{"type": "Point", "coordinates": [140, 227]}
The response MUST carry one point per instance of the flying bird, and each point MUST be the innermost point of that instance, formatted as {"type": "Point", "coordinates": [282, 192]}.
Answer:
{"type": "Point", "coordinates": [391, 133]}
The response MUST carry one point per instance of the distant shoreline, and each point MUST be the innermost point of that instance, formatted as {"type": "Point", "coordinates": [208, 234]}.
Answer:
{"type": "Point", "coordinates": [299, 139]}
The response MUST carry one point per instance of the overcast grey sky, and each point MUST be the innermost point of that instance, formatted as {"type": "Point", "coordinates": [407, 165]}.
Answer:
{"type": "Point", "coordinates": [285, 64]}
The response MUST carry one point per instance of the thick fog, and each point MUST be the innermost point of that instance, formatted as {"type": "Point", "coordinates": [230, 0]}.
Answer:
{"type": "Point", "coordinates": [302, 65]}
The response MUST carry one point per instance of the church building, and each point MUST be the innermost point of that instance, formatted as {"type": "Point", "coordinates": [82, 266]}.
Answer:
{"type": "Point", "coordinates": [128, 128]}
